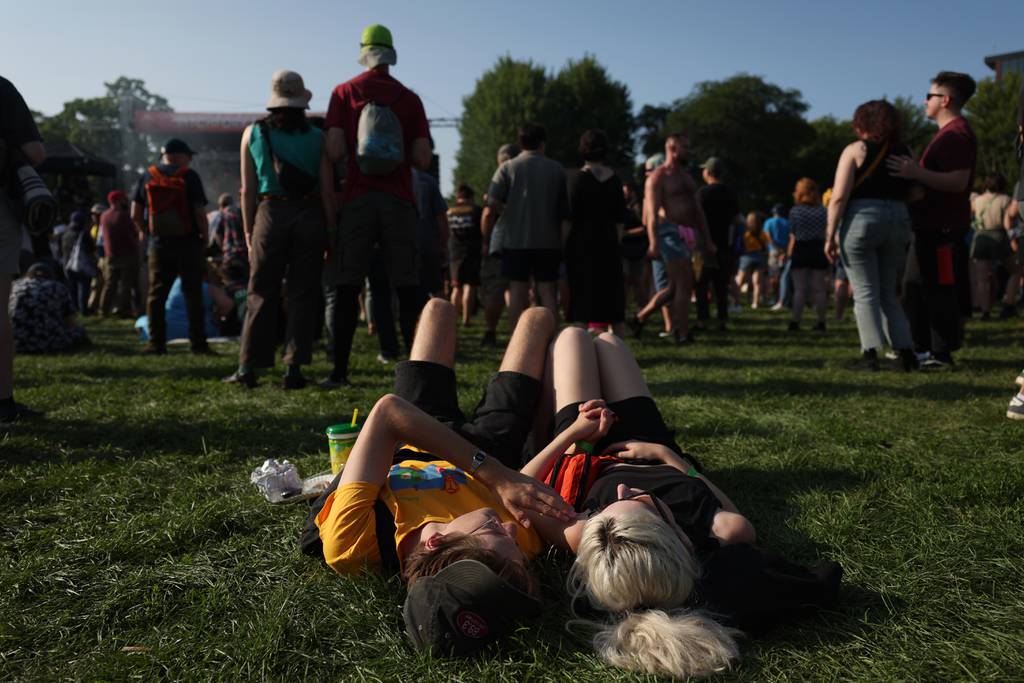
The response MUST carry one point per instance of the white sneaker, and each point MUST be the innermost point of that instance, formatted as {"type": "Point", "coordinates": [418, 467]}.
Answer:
{"type": "Point", "coordinates": [1016, 409]}
{"type": "Point", "coordinates": [891, 355]}
{"type": "Point", "coordinates": [777, 307]}
{"type": "Point", "coordinates": [663, 334]}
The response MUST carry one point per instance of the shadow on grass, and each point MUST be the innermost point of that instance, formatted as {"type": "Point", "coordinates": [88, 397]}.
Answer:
{"type": "Point", "coordinates": [932, 391]}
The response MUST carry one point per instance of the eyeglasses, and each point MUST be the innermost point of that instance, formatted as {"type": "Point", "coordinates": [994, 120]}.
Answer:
{"type": "Point", "coordinates": [491, 525]}
{"type": "Point", "coordinates": [934, 94]}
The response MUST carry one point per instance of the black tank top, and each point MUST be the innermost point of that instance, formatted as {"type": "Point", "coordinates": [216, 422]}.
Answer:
{"type": "Point", "coordinates": [881, 185]}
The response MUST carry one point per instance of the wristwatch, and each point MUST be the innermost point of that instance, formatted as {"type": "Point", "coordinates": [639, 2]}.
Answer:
{"type": "Point", "coordinates": [479, 459]}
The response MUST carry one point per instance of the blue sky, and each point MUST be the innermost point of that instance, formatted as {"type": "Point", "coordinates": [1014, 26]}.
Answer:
{"type": "Point", "coordinates": [218, 55]}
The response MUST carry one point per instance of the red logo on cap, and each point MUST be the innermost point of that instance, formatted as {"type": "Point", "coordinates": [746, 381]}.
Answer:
{"type": "Point", "coordinates": [472, 625]}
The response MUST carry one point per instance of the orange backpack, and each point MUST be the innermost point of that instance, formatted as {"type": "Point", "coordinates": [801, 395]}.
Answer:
{"type": "Point", "coordinates": [167, 199]}
{"type": "Point", "coordinates": [572, 475]}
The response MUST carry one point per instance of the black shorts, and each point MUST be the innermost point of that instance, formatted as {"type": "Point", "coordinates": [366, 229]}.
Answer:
{"type": "Point", "coordinates": [521, 265]}
{"type": "Point", "coordinates": [638, 419]}
{"type": "Point", "coordinates": [502, 420]}
{"type": "Point", "coordinates": [465, 269]}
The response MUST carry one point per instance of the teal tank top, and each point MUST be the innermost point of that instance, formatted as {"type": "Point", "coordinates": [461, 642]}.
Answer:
{"type": "Point", "coordinates": [297, 148]}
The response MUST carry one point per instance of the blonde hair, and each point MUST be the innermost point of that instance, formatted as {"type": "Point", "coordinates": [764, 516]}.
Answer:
{"type": "Point", "coordinates": [634, 563]}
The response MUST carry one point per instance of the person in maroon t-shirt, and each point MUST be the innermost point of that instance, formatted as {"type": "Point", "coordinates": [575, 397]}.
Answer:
{"type": "Point", "coordinates": [376, 209]}
{"type": "Point", "coordinates": [941, 219]}
{"type": "Point", "coordinates": [121, 254]}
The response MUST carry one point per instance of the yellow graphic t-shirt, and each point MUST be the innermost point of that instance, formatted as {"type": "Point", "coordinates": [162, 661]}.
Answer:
{"type": "Point", "coordinates": [416, 492]}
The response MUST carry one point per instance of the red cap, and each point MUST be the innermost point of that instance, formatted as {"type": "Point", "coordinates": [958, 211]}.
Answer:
{"type": "Point", "coordinates": [116, 197]}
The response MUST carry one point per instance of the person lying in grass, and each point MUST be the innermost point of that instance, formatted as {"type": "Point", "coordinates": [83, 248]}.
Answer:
{"type": "Point", "coordinates": [650, 528]}
{"type": "Point", "coordinates": [438, 497]}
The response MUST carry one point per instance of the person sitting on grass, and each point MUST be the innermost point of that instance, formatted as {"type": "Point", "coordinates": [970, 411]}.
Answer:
{"type": "Point", "coordinates": [652, 532]}
{"type": "Point", "coordinates": [42, 317]}
{"type": "Point", "coordinates": [438, 498]}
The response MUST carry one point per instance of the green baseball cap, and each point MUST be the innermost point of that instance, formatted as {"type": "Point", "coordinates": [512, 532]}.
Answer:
{"type": "Point", "coordinates": [377, 36]}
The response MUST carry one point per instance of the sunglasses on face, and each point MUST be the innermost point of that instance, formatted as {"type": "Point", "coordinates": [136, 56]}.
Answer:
{"type": "Point", "coordinates": [933, 94]}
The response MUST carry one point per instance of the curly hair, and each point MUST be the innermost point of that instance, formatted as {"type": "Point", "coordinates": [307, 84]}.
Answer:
{"type": "Point", "coordinates": [878, 121]}
{"type": "Point", "coordinates": [806, 192]}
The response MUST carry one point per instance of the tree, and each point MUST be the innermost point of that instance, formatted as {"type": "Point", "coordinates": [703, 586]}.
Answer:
{"type": "Point", "coordinates": [917, 129]}
{"type": "Point", "coordinates": [102, 125]}
{"type": "Point", "coordinates": [756, 127]}
{"type": "Point", "coordinates": [992, 113]}
{"type": "Point", "coordinates": [505, 96]}
{"type": "Point", "coordinates": [582, 96]}
{"type": "Point", "coordinates": [650, 127]}
{"type": "Point", "coordinates": [818, 158]}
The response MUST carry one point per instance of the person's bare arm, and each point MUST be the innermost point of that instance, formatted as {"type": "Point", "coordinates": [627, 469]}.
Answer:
{"type": "Point", "coordinates": [249, 189]}
{"type": "Point", "coordinates": [337, 148]}
{"type": "Point", "coordinates": [842, 187]}
{"type": "Point", "coordinates": [789, 245]}
{"type": "Point", "coordinates": [593, 423]}
{"type": "Point", "coordinates": [487, 220]}
{"type": "Point", "coordinates": [34, 152]}
{"type": "Point", "coordinates": [139, 218]}
{"type": "Point", "coordinates": [394, 420]}
{"type": "Point", "coordinates": [421, 154]}
{"type": "Point", "coordinates": [1011, 215]}
{"type": "Point", "coordinates": [943, 181]}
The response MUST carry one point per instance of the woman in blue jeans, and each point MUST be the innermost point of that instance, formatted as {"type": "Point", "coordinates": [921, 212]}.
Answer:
{"type": "Point", "coordinates": [871, 206]}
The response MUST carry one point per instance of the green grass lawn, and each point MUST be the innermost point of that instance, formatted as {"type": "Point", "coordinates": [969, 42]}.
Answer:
{"type": "Point", "coordinates": [127, 518]}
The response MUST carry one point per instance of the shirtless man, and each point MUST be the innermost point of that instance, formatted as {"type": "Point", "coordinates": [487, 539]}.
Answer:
{"type": "Point", "coordinates": [670, 210]}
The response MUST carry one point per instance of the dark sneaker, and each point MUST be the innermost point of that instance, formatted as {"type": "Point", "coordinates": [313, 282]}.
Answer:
{"type": "Point", "coordinates": [908, 360]}
{"type": "Point", "coordinates": [722, 326]}
{"type": "Point", "coordinates": [19, 411]}
{"type": "Point", "coordinates": [793, 326]}
{"type": "Point", "coordinates": [203, 350]}
{"type": "Point", "coordinates": [334, 381]}
{"type": "Point", "coordinates": [245, 379]}
{"type": "Point", "coordinates": [1008, 311]}
{"type": "Point", "coordinates": [868, 361]}
{"type": "Point", "coordinates": [636, 325]}
{"type": "Point", "coordinates": [1016, 409]}
{"type": "Point", "coordinates": [154, 350]}
{"type": "Point", "coordinates": [686, 340]}
{"type": "Point", "coordinates": [490, 339]}
{"type": "Point", "coordinates": [290, 382]}
{"type": "Point", "coordinates": [819, 327]}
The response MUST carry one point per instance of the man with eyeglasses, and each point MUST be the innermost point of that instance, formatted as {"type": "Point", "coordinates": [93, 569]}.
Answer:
{"type": "Point", "coordinates": [438, 498]}
{"type": "Point", "coordinates": [937, 263]}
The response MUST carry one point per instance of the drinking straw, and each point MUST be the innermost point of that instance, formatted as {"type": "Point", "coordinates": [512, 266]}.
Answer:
{"type": "Point", "coordinates": [355, 414]}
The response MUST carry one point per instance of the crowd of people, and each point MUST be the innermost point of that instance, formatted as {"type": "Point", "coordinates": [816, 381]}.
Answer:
{"type": "Point", "coordinates": [337, 224]}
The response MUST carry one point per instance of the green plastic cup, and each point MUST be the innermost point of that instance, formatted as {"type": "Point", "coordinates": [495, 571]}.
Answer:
{"type": "Point", "coordinates": [340, 439]}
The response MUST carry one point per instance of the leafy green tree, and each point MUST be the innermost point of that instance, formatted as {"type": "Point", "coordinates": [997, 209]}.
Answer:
{"type": "Point", "coordinates": [993, 116]}
{"type": "Point", "coordinates": [506, 95]}
{"type": "Point", "coordinates": [917, 129]}
{"type": "Point", "coordinates": [581, 96]}
{"type": "Point", "coordinates": [818, 158]}
{"type": "Point", "coordinates": [650, 128]}
{"type": "Point", "coordinates": [102, 125]}
{"type": "Point", "coordinates": [756, 127]}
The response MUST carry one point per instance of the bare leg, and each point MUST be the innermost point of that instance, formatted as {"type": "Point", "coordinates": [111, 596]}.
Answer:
{"type": "Point", "coordinates": [842, 293]}
{"type": "Point", "coordinates": [525, 352]}
{"type": "Point", "coordinates": [680, 275]}
{"type": "Point", "coordinates": [547, 296]}
{"type": "Point", "coordinates": [518, 300]}
{"type": "Point", "coordinates": [575, 372]}
{"type": "Point", "coordinates": [468, 296]}
{"type": "Point", "coordinates": [666, 316]}
{"type": "Point", "coordinates": [434, 340]}
{"type": "Point", "coordinates": [621, 377]}
{"type": "Point", "coordinates": [6, 341]}
{"type": "Point", "coordinates": [456, 299]}
{"type": "Point", "coordinates": [758, 277]}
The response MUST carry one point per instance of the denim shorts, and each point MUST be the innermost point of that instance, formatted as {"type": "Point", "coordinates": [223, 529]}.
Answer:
{"type": "Point", "coordinates": [753, 261]}
{"type": "Point", "coordinates": [670, 244]}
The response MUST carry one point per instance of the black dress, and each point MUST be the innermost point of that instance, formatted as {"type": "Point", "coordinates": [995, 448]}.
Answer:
{"type": "Point", "coordinates": [593, 256]}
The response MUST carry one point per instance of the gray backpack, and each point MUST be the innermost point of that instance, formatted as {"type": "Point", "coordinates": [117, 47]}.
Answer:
{"type": "Point", "coordinates": [380, 145]}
